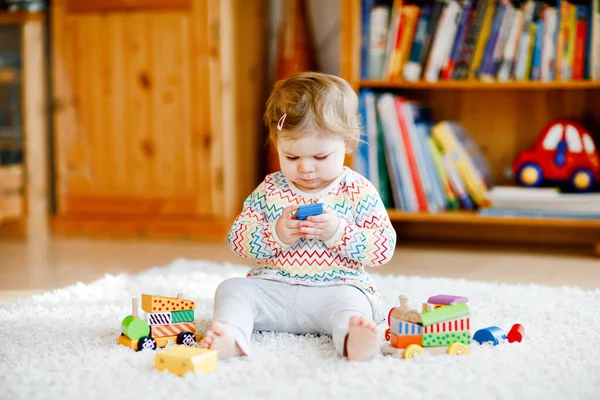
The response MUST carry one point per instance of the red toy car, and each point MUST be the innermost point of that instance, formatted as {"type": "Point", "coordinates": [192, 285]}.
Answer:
{"type": "Point", "coordinates": [564, 153]}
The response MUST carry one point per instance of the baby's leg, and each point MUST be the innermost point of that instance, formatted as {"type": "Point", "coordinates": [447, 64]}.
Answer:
{"type": "Point", "coordinates": [242, 305]}
{"type": "Point", "coordinates": [346, 314]}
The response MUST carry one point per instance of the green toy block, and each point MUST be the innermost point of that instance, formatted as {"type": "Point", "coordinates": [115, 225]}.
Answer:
{"type": "Point", "coordinates": [446, 313]}
{"type": "Point", "coordinates": [182, 316]}
{"type": "Point", "coordinates": [446, 338]}
{"type": "Point", "coordinates": [134, 328]}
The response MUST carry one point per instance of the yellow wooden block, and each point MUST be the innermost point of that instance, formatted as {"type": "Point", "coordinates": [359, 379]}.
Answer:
{"type": "Point", "coordinates": [180, 360]}
{"type": "Point", "coordinates": [154, 304]}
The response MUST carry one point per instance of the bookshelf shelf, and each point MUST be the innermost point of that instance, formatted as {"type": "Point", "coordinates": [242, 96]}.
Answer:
{"type": "Point", "coordinates": [20, 16]}
{"type": "Point", "coordinates": [471, 217]}
{"type": "Point", "coordinates": [479, 85]}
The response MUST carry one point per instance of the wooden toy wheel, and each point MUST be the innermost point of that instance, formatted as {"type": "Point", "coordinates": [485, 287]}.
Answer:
{"type": "Point", "coordinates": [530, 175]}
{"type": "Point", "coordinates": [582, 180]}
{"type": "Point", "coordinates": [388, 335]}
{"type": "Point", "coordinates": [412, 350]}
{"type": "Point", "coordinates": [458, 349]}
{"type": "Point", "coordinates": [146, 343]}
{"type": "Point", "coordinates": [186, 338]}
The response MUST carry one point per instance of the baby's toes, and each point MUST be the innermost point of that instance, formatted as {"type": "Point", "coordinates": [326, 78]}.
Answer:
{"type": "Point", "coordinates": [372, 326]}
{"type": "Point", "coordinates": [355, 321]}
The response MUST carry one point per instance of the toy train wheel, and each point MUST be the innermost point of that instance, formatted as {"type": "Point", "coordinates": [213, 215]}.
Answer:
{"type": "Point", "coordinates": [458, 349]}
{"type": "Point", "coordinates": [411, 351]}
{"type": "Point", "coordinates": [146, 343]}
{"type": "Point", "coordinates": [186, 338]}
{"type": "Point", "coordinates": [388, 334]}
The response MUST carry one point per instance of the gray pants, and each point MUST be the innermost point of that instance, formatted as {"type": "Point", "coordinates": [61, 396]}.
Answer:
{"type": "Point", "coordinates": [246, 304]}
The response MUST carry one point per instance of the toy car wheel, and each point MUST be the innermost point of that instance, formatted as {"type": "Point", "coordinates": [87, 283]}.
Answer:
{"type": "Point", "coordinates": [458, 349]}
{"type": "Point", "coordinates": [388, 335]}
{"type": "Point", "coordinates": [530, 175]}
{"type": "Point", "coordinates": [186, 338]}
{"type": "Point", "coordinates": [146, 343]}
{"type": "Point", "coordinates": [582, 180]}
{"type": "Point", "coordinates": [411, 351]}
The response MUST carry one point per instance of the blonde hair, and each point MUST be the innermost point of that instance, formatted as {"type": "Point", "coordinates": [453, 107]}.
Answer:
{"type": "Point", "coordinates": [313, 102]}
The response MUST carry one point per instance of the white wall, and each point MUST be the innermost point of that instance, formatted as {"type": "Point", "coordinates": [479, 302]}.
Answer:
{"type": "Point", "coordinates": [325, 20]}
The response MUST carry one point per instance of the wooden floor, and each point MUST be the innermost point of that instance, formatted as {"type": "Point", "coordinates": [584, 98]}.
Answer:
{"type": "Point", "coordinates": [26, 269]}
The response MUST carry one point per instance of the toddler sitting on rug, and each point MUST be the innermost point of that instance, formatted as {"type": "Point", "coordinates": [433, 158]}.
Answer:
{"type": "Point", "coordinates": [311, 274]}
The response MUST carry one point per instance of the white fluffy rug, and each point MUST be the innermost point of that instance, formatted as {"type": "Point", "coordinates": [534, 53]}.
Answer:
{"type": "Point", "coordinates": [62, 345]}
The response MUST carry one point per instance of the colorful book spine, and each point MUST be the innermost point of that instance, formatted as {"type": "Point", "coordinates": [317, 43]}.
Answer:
{"type": "Point", "coordinates": [536, 57]}
{"type": "Point", "coordinates": [466, 16]}
{"type": "Point", "coordinates": [548, 60]}
{"type": "Point", "coordinates": [471, 37]}
{"type": "Point", "coordinates": [412, 69]}
{"type": "Point", "coordinates": [505, 71]}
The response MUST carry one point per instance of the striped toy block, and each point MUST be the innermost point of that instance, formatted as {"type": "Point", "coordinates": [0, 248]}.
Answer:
{"type": "Point", "coordinates": [154, 304]}
{"type": "Point", "coordinates": [163, 318]}
{"type": "Point", "coordinates": [456, 325]}
{"type": "Point", "coordinates": [446, 338]}
{"type": "Point", "coordinates": [183, 316]}
{"type": "Point", "coordinates": [404, 327]}
{"type": "Point", "coordinates": [173, 329]}
{"type": "Point", "coordinates": [402, 341]}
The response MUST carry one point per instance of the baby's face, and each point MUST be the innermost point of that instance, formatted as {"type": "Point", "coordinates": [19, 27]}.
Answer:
{"type": "Point", "coordinates": [311, 162]}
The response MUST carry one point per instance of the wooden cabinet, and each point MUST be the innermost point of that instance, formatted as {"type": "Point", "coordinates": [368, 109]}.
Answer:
{"type": "Point", "coordinates": [157, 114]}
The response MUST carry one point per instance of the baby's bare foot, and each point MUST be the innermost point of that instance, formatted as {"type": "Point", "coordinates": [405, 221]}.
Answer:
{"type": "Point", "coordinates": [223, 342]}
{"type": "Point", "coordinates": [362, 339]}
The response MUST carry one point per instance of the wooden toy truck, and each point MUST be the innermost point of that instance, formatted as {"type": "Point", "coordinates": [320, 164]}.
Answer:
{"type": "Point", "coordinates": [167, 319]}
{"type": "Point", "coordinates": [443, 324]}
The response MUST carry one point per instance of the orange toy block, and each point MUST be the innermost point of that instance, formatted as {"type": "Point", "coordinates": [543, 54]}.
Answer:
{"type": "Point", "coordinates": [154, 304]}
{"type": "Point", "coordinates": [402, 341]}
{"type": "Point", "coordinates": [173, 329]}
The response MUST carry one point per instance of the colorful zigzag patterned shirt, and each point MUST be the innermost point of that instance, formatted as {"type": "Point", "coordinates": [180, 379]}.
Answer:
{"type": "Point", "coordinates": [365, 236]}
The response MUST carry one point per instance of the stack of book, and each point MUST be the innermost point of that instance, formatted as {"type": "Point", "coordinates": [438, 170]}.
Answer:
{"type": "Point", "coordinates": [489, 40]}
{"type": "Point", "coordinates": [417, 164]}
{"type": "Point", "coordinates": [541, 203]}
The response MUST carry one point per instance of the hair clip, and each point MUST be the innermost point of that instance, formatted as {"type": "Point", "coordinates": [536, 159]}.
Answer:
{"type": "Point", "coordinates": [281, 121]}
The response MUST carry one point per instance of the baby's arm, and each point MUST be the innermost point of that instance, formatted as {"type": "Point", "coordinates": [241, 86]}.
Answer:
{"type": "Point", "coordinates": [251, 235]}
{"type": "Point", "coordinates": [371, 240]}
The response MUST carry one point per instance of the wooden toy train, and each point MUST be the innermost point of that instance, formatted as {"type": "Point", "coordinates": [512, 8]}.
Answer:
{"type": "Point", "coordinates": [167, 319]}
{"type": "Point", "coordinates": [444, 323]}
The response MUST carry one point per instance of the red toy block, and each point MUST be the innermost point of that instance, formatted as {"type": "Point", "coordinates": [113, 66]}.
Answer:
{"type": "Point", "coordinates": [516, 333]}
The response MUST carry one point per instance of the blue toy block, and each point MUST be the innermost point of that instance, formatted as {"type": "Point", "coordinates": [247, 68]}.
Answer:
{"type": "Point", "coordinates": [491, 334]}
{"type": "Point", "coordinates": [306, 210]}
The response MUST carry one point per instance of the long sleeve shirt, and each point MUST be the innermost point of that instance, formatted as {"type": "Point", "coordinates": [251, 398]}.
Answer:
{"type": "Point", "coordinates": [365, 236]}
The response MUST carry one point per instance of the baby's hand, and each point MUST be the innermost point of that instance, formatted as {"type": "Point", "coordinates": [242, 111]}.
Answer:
{"type": "Point", "coordinates": [320, 226]}
{"type": "Point", "coordinates": [288, 228]}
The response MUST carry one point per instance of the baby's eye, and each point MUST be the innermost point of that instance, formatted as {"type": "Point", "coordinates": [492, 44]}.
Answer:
{"type": "Point", "coordinates": [291, 158]}
{"type": "Point", "coordinates": [321, 158]}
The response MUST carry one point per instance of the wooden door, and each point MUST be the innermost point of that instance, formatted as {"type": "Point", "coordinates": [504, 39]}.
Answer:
{"type": "Point", "coordinates": [131, 107]}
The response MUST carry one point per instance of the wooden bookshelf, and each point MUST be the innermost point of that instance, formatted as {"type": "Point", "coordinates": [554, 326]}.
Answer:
{"type": "Point", "coordinates": [504, 118]}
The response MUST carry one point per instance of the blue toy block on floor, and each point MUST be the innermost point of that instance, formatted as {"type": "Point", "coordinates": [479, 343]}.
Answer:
{"type": "Point", "coordinates": [491, 334]}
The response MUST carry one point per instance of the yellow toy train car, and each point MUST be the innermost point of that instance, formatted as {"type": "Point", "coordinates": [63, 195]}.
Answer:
{"type": "Point", "coordinates": [166, 319]}
{"type": "Point", "coordinates": [443, 323]}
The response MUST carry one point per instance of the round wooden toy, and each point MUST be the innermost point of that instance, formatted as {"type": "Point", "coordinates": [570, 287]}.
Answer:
{"type": "Point", "coordinates": [132, 326]}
